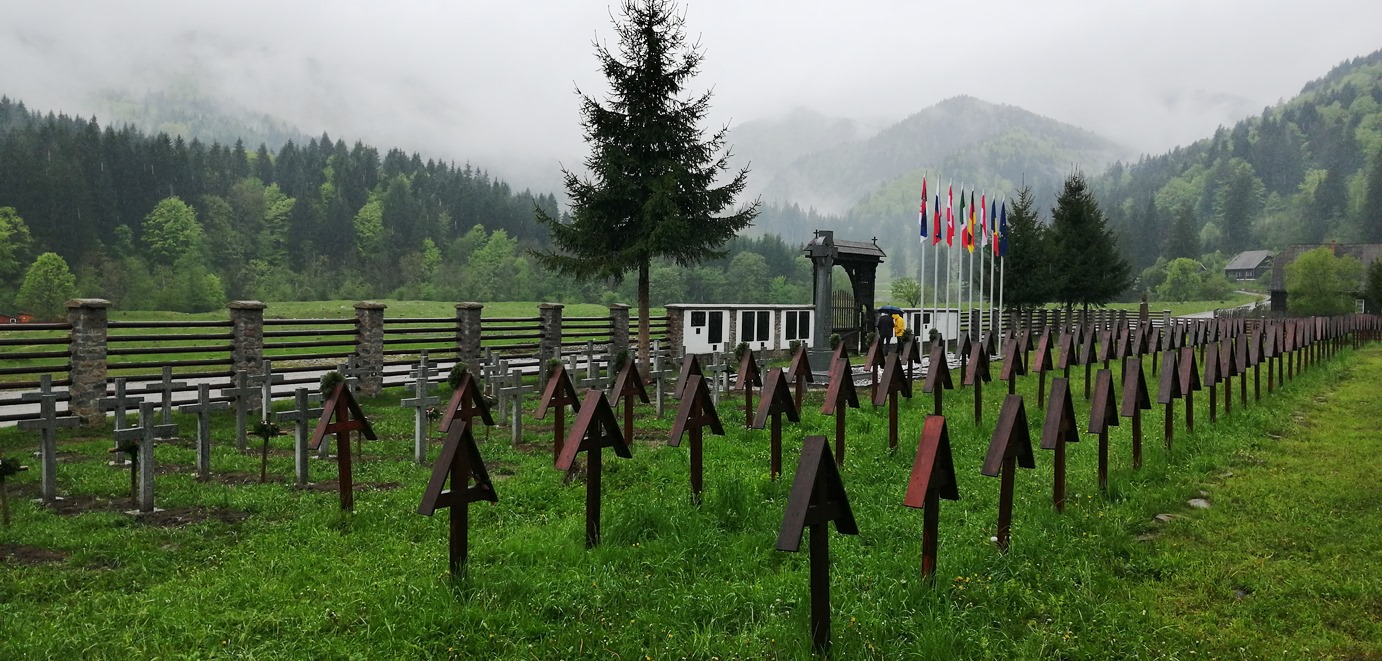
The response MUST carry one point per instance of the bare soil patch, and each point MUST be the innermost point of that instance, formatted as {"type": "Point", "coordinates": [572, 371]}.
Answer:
{"type": "Point", "coordinates": [23, 554]}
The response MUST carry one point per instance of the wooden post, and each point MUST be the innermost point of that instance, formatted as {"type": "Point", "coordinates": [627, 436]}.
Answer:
{"type": "Point", "coordinates": [1010, 447]}
{"type": "Point", "coordinates": [817, 498]}
{"type": "Point", "coordinates": [1057, 430]}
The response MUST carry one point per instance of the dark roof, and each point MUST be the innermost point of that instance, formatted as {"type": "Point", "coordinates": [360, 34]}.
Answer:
{"type": "Point", "coordinates": [1366, 253]}
{"type": "Point", "coordinates": [851, 248]}
{"type": "Point", "coordinates": [1248, 259]}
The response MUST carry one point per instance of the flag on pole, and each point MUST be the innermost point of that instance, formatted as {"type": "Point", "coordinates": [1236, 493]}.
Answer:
{"type": "Point", "coordinates": [936, 235]}
{"type": "Point", "coordinates": [1003, 231]}
{"type": "Point", "coordinates": [964, 227]}
{"type": "Point", "coordinates": [921, 212]}
{"type": "Point", "coordinates": [983, 220]}
{"type": "Point", "coordinates": [950, 217]}
{"type": "Point", "coordinates": [993, 219]}
{"type": "Point", "coordinates": [970, 225]}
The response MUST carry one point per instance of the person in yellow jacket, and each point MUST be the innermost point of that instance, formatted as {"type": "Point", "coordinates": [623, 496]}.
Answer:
{"type": "Point", "coordinates": [899, 327]}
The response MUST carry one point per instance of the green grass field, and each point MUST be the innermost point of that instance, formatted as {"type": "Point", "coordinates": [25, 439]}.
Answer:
{"type": "Point", "coordinates": [281, 573]}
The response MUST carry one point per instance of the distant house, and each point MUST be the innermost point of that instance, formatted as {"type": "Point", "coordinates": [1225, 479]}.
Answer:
{"type": "Point", "coordinates": [1366, 253]}
{"type": "Point", "coordinates": [17, 318]}
{"type": "Point", "coordinates": [1249, 265]}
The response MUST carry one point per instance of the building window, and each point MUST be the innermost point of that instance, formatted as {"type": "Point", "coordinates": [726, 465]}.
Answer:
{"type": "Point", "coordinates": [798, 325]}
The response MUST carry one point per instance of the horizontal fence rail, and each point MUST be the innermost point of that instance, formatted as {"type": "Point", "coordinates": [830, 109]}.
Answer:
{"type": "Point", "coordinates": [384, 350]}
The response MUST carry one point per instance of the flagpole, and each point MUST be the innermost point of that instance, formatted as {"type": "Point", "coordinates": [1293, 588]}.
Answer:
{"type": "Point", "coordinates": [1003, 259]}
{"type": "Point", "coordinates": [993, 238]}
{"type": "Point", "coordinates": [935, 267]}
{"type": "Point", "coordinates": [983, 229]}
{"type": "Point", "coordinates": [921, 224]}
{"type": "Point", "coordinates": [969, 264]}
{"type": "Point", "coordinates": [949, 264]}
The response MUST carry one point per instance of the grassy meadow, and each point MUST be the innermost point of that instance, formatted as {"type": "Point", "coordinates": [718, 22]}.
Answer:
{"type": "Point", "coordinates": [1284, 565]}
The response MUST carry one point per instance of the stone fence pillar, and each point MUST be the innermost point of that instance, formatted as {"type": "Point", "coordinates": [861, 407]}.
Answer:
{"type": "Point", "coordinates": [468, 335]}
{"type": "Point", "coordinates": [369, 346]}
{"type": "Point", "coordinates": [676, 317]}
{"type": "Point", "coordinates": [549, 345]}
{"type": "Point", "coordinates": [88, 317]}
{"type": "Point", "coordinates": [619, 331]}
{"type": "Point", "coordinates": [247, 338]}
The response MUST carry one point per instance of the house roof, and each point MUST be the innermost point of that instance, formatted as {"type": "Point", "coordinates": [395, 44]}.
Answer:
{"type": "Point", "coordinates": [1366, 253]}
{"type": "Point", "coordinates": [1248, 259]}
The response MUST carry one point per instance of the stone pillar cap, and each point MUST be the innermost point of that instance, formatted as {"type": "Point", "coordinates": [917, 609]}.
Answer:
{"type": "Point", "coordinates": [618, 306]}
{"type": "Point", "coordinates": [246, 305]}
{"type": "Point", "coordinates": [88, 303]}
{"type": "Point", "coordinates": [552, 306]}
{"type": "Point", "coordinates": [469, 306]}
{"type": "Point", "coordinates": [370, 305]}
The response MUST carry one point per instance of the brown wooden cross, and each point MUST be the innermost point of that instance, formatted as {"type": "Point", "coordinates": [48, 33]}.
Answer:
{"type": "Point", "coordinates": [776, 402]}
{"type": "Point", "coordinates": [627, 386]}
{"type": "Point", "coordinates": [1041, 365]}
{"type": "Point", "coordinates": [695, 414]}
{"type": "Point", "coordinates": [1014, 363]}
{"type": "Point", "coordinates": [937, 375]}
{"type": "Point", "coordinates": [1057, 430]}
{"type": "Point", "coordinates": [977, 375]}
{"type": "Point", "coordinates": [559, 394]}
{"type": "Point", "coordinates": [1135, 400]}
{"type": "Point", "coordinates": [690, 366]}
{"type": "Point", "coordinates": [459, 462]}
{"type": "Point", "coordinates": [839, 396]}
{"type": "Point", "coordinates": [748, 379]}
{"type": "Point", "coordinates": [891, 385]}
{"type": "Point", "coordinates": [1189, 383]}
{"type": "Point", "coordinates": [1168, 392]}
{"type": "Point", "coordinates": [1212, 377]}
{"type": "Point", "coordinates": [596, 428]}
{"type": "Point", "coordinates": [467, 402]}
{"type": "Point", "coordinates": [1010, 447]}
{"type": "Point", "coordinates": [933, 478]}
{"type": "Point", "coordinates": [799, 373]}
{"type": "Point", "coordinates": [817, 498]}
{"type": "Point", "coordinates": [341, 405]}
{"type": "Point", "coordinates": [1103, 413]}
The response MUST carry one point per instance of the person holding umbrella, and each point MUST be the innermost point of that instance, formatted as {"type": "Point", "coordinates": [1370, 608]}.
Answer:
{"type": "Point", "coordinates": [890, 324]}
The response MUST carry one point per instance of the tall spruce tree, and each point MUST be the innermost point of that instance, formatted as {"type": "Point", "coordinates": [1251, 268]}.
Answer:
{"type": "Point", "coordinates": [1183, 241]}
{"type": "Point", "coordinates": [650, 190]}
{"type": "Point", "coordinates": [1027, 268]}
{"type": "Point", "coordinates": [1372, 202]}
{"type": "Point", "coordinates": [1088, 269]}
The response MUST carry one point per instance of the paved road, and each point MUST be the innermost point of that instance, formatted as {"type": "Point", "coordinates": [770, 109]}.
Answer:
{"type": "Point", "coordinates": [1263, 298]}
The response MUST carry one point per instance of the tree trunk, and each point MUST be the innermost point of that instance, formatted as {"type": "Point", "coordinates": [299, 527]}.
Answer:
{"type": "Point", "coordinates": [643, 352]}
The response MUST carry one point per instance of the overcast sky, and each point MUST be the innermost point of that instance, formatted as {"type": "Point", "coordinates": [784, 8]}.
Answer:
{"type": "Point", "coordinates": [492, 82]}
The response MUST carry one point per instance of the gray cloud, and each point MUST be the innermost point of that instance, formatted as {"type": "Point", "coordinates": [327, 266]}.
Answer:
{"type": "Point", "coordinates": [493, 83]}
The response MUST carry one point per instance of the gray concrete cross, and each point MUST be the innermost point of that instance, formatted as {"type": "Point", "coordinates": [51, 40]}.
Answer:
{"type": "Point", "coordinates": [165, 387]}
{"type": "Point", "coordinates": [265, 379]}
{"type": "Point", "coordinates": [421, 400]}
{"type": "Point", "coordinates": [143, 439]}
{"type": "Point", "coordinates": [353, 371]}
{"type": "Point", "coordinates": [120, 404]}
{"type": "Point", "coordinates": [242, 395]}
{"type": "Point", "coordinates": [47, 424]}
{"type": "Point", "coordinates": [659, 374]}
{"type": "Point", "coordinates": [301, 415]}
{"type": "Point", "coordinates": [204, 407]}
{"type": "Point", "coordinates": [514, 389]}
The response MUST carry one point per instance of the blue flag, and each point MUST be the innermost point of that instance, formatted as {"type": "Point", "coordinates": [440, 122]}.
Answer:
{"type": "Point", "coordinates": [1003, 231]}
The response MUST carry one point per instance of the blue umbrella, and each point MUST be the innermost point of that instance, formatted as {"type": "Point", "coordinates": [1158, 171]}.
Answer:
{"type": "Point", "coordinates": [890, 309]}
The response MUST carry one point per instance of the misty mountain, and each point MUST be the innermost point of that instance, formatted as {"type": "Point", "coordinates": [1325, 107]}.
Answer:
{"type": "Point", "coordinates": [962, 139]}
{"type": "Point", "coordinates": [1298, 172]}
{"type": "Point", "coordinates": [769, 145]}
{"type": "Point", "coordinates": [183, 112]}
